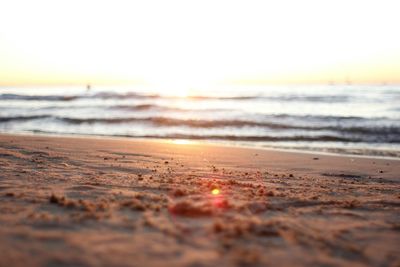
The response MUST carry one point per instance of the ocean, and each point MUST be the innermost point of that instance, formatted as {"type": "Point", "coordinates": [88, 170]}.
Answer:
{"type": "Point", "coordinates": [346, 119]}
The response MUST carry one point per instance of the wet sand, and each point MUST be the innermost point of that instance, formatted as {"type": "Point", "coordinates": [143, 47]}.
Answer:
{"type": "Point", "coordinates": [115, 202]}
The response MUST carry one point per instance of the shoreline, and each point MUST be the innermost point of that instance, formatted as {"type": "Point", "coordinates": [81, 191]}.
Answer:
{"type": "Point", "coordinates": [123, 202]}
{"type": "Point", "coordinates": [310, 150]}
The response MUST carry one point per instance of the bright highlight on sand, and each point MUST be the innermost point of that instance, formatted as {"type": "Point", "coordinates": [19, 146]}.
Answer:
{"type": "Point", "coordinates": [215, 191]}
{"type": "Point", "coordinates": [181, 142]}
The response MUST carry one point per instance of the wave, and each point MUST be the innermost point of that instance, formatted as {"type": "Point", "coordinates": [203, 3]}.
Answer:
{"type": "Point", "coordinates": [387, 133]}
{"type": "Point", "coordinates": [38, 97]}
{"type": "Point", "coordinates": [382, 133]}
{"type": "Point", "coordinates": [23, 118]}
{"type": "Point", "coordinates": [137, 107]}
{"type": "Point", "coordinates": [101, 108]}
{"type": "Point", "coordinates": [143, 107]}
{"type": "Point", "coordinates": [255, 138]}
{"type": "Point", "coordinates": [134, 95]}
{"type": "Point", "coordinates": [107, 95]}
{"type": "Point", "coordinates": [199, 123]}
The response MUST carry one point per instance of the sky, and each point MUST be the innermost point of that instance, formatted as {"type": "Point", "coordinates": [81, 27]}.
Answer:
{"type": "Point", "coordinates": [191, 43]}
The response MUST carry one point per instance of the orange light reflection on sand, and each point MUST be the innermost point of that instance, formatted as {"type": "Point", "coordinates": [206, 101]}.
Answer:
{"type": "Point", "coordinates": [182, 142]}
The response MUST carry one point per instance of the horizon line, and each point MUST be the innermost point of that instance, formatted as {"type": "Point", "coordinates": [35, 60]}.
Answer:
{"type": "Point", "coordinates": [235, 83]}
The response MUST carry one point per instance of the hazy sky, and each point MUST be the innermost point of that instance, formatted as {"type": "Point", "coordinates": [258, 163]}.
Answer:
{"type": "Point", "coordinates": [195, 42]}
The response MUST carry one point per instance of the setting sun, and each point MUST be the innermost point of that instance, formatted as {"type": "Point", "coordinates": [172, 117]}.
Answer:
{"type": "Point", "coordinates": [185, 44]}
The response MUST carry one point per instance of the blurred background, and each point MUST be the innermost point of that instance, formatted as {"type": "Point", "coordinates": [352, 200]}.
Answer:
{"type": "Point", "coordinates": [307, 75]}
{"type": "Point", "coordinates": [331, 118]}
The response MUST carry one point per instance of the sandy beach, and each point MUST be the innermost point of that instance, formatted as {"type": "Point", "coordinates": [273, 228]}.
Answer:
{"type": "Point", "coordinates": [123, 202]}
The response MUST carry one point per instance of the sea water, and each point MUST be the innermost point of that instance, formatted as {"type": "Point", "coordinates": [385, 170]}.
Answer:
{"type": "Point", "coordinates": [351, 119]}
